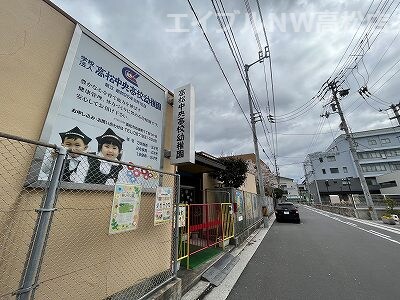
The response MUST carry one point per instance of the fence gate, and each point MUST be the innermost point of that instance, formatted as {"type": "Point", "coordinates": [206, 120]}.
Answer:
{"type": "Point", "coordinates": [205, 226]}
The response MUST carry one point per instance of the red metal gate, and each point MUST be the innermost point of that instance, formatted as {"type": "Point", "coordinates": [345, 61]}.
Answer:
{"type": "Point", "coordinates": [205, 228]}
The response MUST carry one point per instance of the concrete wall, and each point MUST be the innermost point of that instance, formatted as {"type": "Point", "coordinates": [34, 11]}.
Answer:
{"type": "Point", "coordinates": [250, 184]}
{"type": "Point", "coordinates": [82, 260]}
{"type": "Point", "coordinates": [34, 40]}
{"type": "Point", "coordinates": [210, 185]}
{"type": "Point", "coordinates": [394, 176]}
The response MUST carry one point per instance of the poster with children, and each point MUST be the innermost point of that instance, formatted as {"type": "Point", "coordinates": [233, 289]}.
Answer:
{"type": "Point", "coordinates": [163, 205]}
{"type": "Point", "coordinates": [125, 208]}
{"type": "Point", "coordinates": [106, 106]}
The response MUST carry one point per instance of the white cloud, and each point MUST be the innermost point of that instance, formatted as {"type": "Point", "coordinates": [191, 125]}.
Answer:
{"type": "Point", "coordinates": [301, 61]}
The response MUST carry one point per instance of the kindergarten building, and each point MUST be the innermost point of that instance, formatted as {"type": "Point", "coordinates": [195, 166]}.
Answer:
{"type": "Point", "coordinates": [95, 225]}
{"type": "Point", "coordinates": [56, 75]}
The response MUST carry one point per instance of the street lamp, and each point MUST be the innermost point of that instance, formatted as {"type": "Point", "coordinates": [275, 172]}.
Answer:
{"type": "Point", "coordinates": [261, 57]}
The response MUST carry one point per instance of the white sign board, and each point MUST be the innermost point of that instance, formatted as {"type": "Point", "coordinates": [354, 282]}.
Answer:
{"type": "Point", "coordinates": [183, 126]}
{"type": "Point", "coordinates": [99, 90]}
{"type": "Point", "coordinates": [182, 216]}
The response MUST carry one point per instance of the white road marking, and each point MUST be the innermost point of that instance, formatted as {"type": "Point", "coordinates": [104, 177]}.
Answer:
{"type": "Point", "coordinates": [369, 223]}
{"type": "Point", "coordinates": [383, 236]}
{"type": "Point", "coordinates": [380, 234]}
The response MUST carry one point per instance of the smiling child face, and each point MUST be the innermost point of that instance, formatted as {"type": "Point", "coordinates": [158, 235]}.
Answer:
{"type": "Point", "coordinates": [74, 144]}
{"type": "Point", "coordinates": [110, 151]}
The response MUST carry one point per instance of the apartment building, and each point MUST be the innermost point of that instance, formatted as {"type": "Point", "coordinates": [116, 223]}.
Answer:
{"type": "Point", "coordinates": [289, 186]}
{"type": "Point", "coordinates": [268, 176]}
{"type": "Point", "coordinates": [334, 171]}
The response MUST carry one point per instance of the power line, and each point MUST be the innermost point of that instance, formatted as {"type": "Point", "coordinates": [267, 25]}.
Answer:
{"type": "Point", "coordinates": [272, 87]}
{"type": "Point", "coordinates": [217, 60]}
{"type": "Point", "coordinates": [235, 51]}
{"type": "Point", "coordinates": [220, 67]}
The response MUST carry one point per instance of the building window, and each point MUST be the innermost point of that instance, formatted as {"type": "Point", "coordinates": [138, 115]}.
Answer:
{"type": "Point", "coordinates": [334, 149]}
{"type": "Point", "coordinates": [334, 170]}
{"type": "Point", "coordinates": [321, 159]}
{"type": "Point", "coordinates": [390, 153]}
{"type": "Point", "coordinates": [374, 168]}
{"type": "Point", "coordinates": [362, 155]}
{"type": "Point", "coordinates": [369, 155]}
{"type": "Point", "coordinates": [376, 155]}
{"type": "Point", "coordinates": [371, 181]}
{"type": "Point", "coordinates": [385, 141]}
{"type": "Point", "coordinates": [395, 166]}
{"type": "Point", "coordinates": [345, 170]}
{"type": "Point", "coordinates": [331, 158]}
{"type": "Point", "coordinates": [323, 171]}
{"type": "Point", "coordinates": [372, 142]}
{"type": "Point", "coordinates": [388, 184]}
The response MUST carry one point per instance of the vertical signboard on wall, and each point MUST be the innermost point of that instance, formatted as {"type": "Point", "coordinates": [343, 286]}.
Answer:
{"type": "Point", "coordinates": [182, 150]}
{"type": "Point", "coordinates": [100, 94]}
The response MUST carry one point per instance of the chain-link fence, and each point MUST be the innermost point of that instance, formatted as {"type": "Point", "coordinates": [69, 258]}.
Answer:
{"type": "Point", "coordinates": [378, 200]}
{"type": "Point", "coordinates": [269, 206]}
{"type": "Point", "coordinates": [18, 203]}
{"type": "Point", "coordinates": [78, 226]}
{"type": "Point", "coordinates": [248, 210]}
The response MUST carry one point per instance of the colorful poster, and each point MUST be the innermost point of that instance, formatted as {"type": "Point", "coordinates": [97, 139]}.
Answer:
{"type": "Point", "coordinates": [248, 206]}
{"type": "Point", "coordinates": [239, 203]}
{"type": "Point", "coordinates": [125, 209]}
{"type": "Point", "coordinates": [182, 216]}
{"type": "Point", "coordinates": [163, 205]}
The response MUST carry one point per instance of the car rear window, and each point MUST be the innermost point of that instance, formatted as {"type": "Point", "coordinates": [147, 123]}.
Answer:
{"type": "Point", "coordinates": [286, 205]}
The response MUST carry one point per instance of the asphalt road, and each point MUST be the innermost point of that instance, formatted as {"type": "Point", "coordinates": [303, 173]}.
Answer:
{"type": "Point", "coordinates": [324, 257]}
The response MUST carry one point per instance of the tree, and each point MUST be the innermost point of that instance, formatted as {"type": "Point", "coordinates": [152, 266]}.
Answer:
{"type": "Point", "coordinates": [235, 173]}
{"type": "Point", "coordinates": [390, 204]}
{"type": "Point", "coordinates": [278, 193]}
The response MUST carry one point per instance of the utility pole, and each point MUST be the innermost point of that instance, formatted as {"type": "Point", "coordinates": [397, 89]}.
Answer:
{"type": "Point", "coordinates": [395, 109]}
{"type": "Point", "coordinates": [316, 187]}
{"type": "Point", "coordinates": [316, 182]}
{"type": "Point", "coordinates": [253, 121]}
{"type": "Point", "coordinates": [271, 120]}
{"type": "Point", "coordinates": [344, 126]}
{"type": "Point", "coordinates": [306, 179]}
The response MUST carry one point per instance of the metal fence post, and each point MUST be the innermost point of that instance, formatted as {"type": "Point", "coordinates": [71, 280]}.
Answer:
{"type": "Point", "coordinates": [176, 233]}
{"type": "Point", "coordinates": [42, 228]}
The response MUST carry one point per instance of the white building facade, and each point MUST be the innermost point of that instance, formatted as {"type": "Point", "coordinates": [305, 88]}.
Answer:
{"type": "Point", "coordinates": [290, 187]}
{"type": "Point", "coordinates": [334, 172]}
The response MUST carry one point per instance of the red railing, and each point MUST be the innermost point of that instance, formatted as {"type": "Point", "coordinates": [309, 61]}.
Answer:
{"type": "Point", "coordinates": [205, 228]}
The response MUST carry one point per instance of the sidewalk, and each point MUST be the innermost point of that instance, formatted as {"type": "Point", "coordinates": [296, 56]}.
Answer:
{"type": "Point", "coordinates": [219, 276]}
{"type": "Point", "coordinates": [191, 277]}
